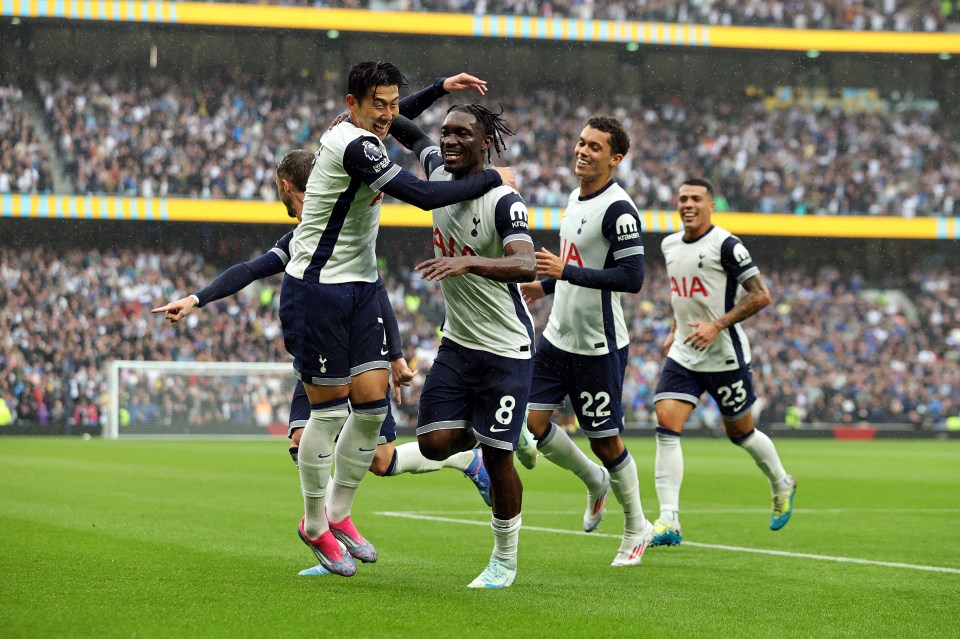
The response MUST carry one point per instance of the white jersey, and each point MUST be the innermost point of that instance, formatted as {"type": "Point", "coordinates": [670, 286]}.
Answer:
{"type": "Point", "coordinates": [336, 240]}
{"type": "Point", "coordinates": [596, 232]}
{"type": "Point", "coordinates": [481, 313]}
{"type": "Point", "coordinates": [706, 278]}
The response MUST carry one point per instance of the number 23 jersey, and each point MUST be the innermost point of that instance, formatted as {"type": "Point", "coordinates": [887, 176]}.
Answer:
{"type": "Point", "coordinates": [706, 278]}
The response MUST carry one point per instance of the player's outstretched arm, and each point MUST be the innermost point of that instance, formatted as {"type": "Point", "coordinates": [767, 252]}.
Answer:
{"type": "Point", "coordinates": [231, 281]}
{"type": "Point", "coordinates": [414, 104]}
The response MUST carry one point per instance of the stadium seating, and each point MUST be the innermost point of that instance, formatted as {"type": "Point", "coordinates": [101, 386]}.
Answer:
{"type": "Point", "coordinates": [829, 350]}
{"type": "Point", "coordinates": [219, 137]}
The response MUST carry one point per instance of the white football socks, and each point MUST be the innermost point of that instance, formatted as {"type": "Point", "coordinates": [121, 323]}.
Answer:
{"type": "Point", "coordinates": [410, 460]}
{"type": "Point", "coordinates": [625, 485]}
{"type": "Point", "coordinates": [557, 446]}
{"type": "Point", "coordinates": [355, 450]}
{"type": "Point", "coordinates": [506, 538]}
{"type": "Point", "coordinates": [315, 459]}
{"type": "Point", "coordinates": [764, 453]}
{"type": "Point", "coordinates": [668, 474]}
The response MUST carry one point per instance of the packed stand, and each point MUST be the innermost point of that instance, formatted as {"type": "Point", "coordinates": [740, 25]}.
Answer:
{"type": "Point", "coordinates": [24, 166]}
{"type": "Point", "coordinates": [826, 352]}
{"type": "Point", "coordinates": [856, 15]}
{"type": "Point", "coordinates": [803, 154]}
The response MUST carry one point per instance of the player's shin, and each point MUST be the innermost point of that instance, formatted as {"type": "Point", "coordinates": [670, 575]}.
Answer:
{"type": "Point", "coordinates": [668, 473]}
{"type": "Point", "coordinates": [315, 459]}
{"type": "Point", "coordinates": [764, 453]}
{"type": "Point", "coordinates": [506, 538]}
{"type": "Point", "coordinates": [625, 485]}
{"type": "Point", "coordinates": [355, 450]}
{"type": "Point", "coordinates": [557, 446]}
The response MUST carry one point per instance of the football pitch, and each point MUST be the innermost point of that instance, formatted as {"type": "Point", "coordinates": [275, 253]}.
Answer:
{"type": "Point", "coordinates": [197, 539]}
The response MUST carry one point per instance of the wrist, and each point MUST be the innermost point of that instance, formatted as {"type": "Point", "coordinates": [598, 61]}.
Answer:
{"type": "Point", "coordinates": [196, 300]}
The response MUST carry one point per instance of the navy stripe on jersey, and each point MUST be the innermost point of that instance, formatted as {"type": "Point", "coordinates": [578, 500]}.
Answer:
{"type": "Point", "coordinates": [736, 261]}
{"type": "Point", "coordinates": [328, 240]}
{"type": "Point", "coordinates": [522, 313]}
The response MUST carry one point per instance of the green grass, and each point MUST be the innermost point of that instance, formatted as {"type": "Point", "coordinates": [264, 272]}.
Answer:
{"type": "Point", "coordinates": [197, 539]}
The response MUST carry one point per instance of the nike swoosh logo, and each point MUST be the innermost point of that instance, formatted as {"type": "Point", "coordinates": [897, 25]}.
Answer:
{"type": "Point", "coordinates": [738, 408]}
{"type": "Point", "coordinates": [324, 456]}
{"type": "Point", "coordinates": [595, 423]}
{"type": "Point", "coordinates": [383, 352]}
{"type": "Point", "coordinates": [494, 429]}
{"type": "Point", "coordinates": [367, 450]}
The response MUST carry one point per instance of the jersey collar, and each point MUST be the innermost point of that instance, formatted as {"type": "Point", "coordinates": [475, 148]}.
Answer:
{"type": "Point", "coordinates": [697, 239]}
{"type": "Point", "coordinates": [596, 193]}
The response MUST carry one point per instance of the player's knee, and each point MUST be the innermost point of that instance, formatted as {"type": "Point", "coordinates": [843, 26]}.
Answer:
{"type": "Point", "coordinates": [432, 449]}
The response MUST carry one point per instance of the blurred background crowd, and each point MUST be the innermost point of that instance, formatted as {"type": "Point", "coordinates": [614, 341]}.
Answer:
{"type": "Point", "coordinates": [792, 151]}
{"type": "Point", "coordinates": [833, 349]}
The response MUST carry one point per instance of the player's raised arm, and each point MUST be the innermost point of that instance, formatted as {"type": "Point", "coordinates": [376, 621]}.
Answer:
{"type": "Point", "coordinates": [414, 104]}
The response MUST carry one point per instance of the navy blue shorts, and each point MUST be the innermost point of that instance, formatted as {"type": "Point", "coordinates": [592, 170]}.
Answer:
{"type": "Point", "coordinates": [467, 388]}
{"type": "Point", "coordinates": [333, 331]}
{"type": "Point", "coordinates": [732, 390]}
{"type": "Point", "coordinates": [300, 413]}
{"type": "Point", "coordinates": [593, 382]}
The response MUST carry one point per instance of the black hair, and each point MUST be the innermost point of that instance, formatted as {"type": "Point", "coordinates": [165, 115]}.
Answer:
{"type": "Point", "coordinates": [296, 166]}
{"type": "Point", "coordinates": [367, 76]}
{"type": "Point", "coordinates": [619, 140]}
{"type": "Point", "coordinates": [707, 184]}
{"type": "Point", "coordinates": [493, 125]}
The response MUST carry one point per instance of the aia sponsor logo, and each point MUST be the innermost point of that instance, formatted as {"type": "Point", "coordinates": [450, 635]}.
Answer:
{"type": "Point", "coordinates": [448, 246]}
{"type": "Point", "coordinates": [570, 254]}
{"type": "Point", "coordinates": [684, 288]}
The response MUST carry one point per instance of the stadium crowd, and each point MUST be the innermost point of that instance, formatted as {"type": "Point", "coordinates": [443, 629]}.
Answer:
{"type": "Point", "coordinates": [857, 15]}
{"type": "Point", "coordinates": [220, 138]}
{"type": "Point", "coordinates": [24, 166]}
{"type": "Point", "coordinates": [827, 352]}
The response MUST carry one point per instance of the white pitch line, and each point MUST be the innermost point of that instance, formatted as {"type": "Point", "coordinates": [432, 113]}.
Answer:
{"type": "Point", "coordinates": [735, 511]}
{"type": "Point", "coordinates": [758, 551]}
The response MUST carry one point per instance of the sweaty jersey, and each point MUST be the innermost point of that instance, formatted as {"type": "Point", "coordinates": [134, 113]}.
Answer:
{"type": "Point", "coordinates": [596, 232]}
{"type": "Point", "coordinates": [336, 240]}
{"type": "Point", "coordinates": [705, 282]}
{"type": "Point", "coordinates": [481, 314]}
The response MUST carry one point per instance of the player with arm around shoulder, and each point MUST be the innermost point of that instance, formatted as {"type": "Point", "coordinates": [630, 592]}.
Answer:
{"type": "Point", "coordinates": [707, 350]}
{"type": "Point", "coordinates": [478, 386]}
{"type": "Point", "coordinates": [584, 348]}
{"type": "Point", "coordinates": [331, 320]}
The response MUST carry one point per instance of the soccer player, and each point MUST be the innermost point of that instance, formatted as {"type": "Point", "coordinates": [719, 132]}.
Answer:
{"type": "Point", "coordinates": [707, 350]}
{"type": "Point", "coordinates": [584, 348]}
{"type": "Point", "coordinates": [478, 386]}
{"type": "Point", "coordinates": [331, 319]}
{"type": "Point", "coordinates": [389, 460]}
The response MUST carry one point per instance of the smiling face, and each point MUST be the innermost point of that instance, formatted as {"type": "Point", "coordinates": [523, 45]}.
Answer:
{"type": "Point", "coordinates": [594, 159]}
{"type": "Point", "coordinates": [463, 144]}
{"type": "Point", "coordinates": [376, 110]}
{"type": "Point", "coordinates": [695, 205]}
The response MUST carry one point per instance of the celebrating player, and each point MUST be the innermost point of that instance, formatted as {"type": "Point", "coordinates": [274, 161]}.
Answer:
{"type": "Point", "coordinates": [583, 351]}
{"type": "Point", "coordinates": [707, 350]}
{"type": "Point", "coordinates": [478, 386]}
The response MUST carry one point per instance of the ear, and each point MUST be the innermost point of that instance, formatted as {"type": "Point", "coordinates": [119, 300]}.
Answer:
{"type": "Point", "coordinates": [352, 102]}
{"type": "Point", "coordinates": [487, 141]}
{"type": "Point", "coordinates": [615, 159]}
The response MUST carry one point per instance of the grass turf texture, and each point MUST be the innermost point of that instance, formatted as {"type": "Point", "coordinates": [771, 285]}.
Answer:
{"type": "Point", "coordinates": [197, 539]}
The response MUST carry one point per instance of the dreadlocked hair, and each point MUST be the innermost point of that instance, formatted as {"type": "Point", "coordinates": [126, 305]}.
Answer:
{"type": "Point", "coordinates": [493, 125]}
